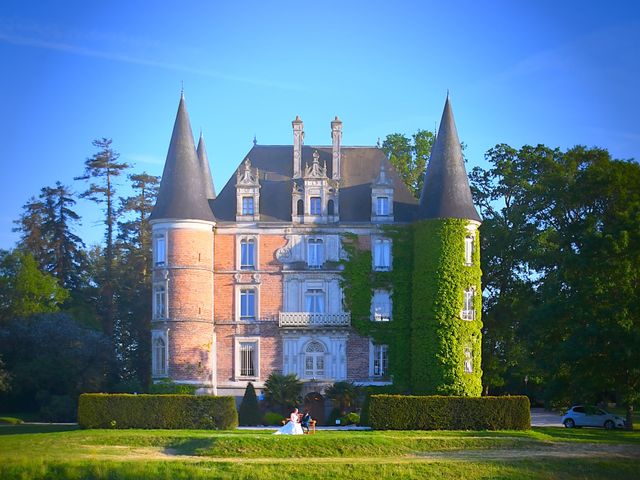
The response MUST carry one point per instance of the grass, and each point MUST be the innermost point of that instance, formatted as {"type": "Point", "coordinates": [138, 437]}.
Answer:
{"type": "Point", "coordinates": [36, 451]}
{"type": "Point", "coordinates": [10, 421]}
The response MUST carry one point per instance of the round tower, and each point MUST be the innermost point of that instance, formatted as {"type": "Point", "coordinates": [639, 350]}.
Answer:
{"type": "Point", "coordinates": [446, 339]}
{"type": "Point", "coordinates": [182, 328]}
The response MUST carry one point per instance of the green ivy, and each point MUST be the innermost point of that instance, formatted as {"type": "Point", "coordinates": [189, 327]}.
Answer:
{"type": "Point", "coordinates": [426, 336]}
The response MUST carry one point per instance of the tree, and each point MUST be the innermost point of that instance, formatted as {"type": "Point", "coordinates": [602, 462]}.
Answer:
{"type": "Point", "coordinates": [5, 378]}
{"type": "Point", "coordinates": [25, 290]}
{"type": "Point", "coordinates": [249, 413]}
{"type": "Point", "coordinates": [101, 170]}
{"type": "Point", "coordinates": [282, 391]}
{"type": "Point", "coordinates": [410, 157]}
{"type": "Point", "coordinates": [344, 395]}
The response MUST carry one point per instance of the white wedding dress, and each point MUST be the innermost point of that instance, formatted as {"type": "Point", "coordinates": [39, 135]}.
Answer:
{"type": "Point", "coordinates": [292, 427]}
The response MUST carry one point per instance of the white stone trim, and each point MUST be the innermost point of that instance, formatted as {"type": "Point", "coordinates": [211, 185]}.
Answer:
{"type": "Point", "coordinates": [182, 224]}
{"type": "Point", "coordinates": [237, 292]}
{"type": "Point", "coordinates": [163, 334]}
{"type": "Point", "coordinates": [237, 361]}
{"type": "Point", "coordinates": [240, 237]}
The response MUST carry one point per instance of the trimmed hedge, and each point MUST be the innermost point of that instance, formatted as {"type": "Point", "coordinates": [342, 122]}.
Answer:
{"type": "Point", "coordinates": [99, 410]}
{"type": "Point", "coordinates": [407, 412]}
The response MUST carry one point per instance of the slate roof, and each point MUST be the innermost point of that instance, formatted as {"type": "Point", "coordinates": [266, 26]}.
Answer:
{"type": "Point", "coordinates": [209, 187]}
{"type": "Point", "coordinates": [182, 193]}
{"type": "Point", "coordinates": [446, 192]}
{"type": "Point", "coordinates": [360, 167]}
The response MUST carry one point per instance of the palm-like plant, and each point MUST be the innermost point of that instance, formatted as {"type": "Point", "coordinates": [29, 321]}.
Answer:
{"type": "Point", "coordinates": [344, 395]}
{"type": "Point", "coordinates": [282, 391]}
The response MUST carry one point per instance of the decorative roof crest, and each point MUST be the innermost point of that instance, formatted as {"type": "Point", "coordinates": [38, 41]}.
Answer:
{"type": "Point", "coordinates": [315, 170]}
{"type": "Point", "coordinates": [246, 176]}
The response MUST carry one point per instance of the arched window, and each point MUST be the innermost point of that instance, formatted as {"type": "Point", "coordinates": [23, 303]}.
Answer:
{"type": "Point", "coordinates": [330, 208]}
{"type": "Point", "coordinates": [159, 357]}
{"type": "Point", "coordinates": [300, 207]}
{"type": "Point", "coordinates": [314, 360]}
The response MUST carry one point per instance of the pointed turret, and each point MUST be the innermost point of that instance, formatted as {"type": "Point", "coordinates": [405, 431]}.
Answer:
{"type": "Point", "coordinates": [446, 192]}
{"type": "Point", "coordinates": [182, 193]}
{"type": "Point", "coordinates": [209, 187]}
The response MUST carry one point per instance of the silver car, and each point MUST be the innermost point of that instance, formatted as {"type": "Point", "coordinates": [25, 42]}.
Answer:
{"type": "Point", "coordinates": [584, 416]}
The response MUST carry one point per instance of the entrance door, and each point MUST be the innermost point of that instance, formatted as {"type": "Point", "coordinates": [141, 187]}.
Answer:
{"type": "Point", "coordinates": [314, 403]}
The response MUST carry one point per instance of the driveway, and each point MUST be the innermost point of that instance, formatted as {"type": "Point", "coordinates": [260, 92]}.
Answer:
{"type": "Point", "coordinates": [543, 418]}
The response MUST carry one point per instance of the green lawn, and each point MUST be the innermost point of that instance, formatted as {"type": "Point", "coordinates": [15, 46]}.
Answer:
{"type": "Point", "coordinates": [29, 451]}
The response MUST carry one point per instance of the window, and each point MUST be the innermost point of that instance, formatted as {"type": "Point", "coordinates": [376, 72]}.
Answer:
{"type": "Point", "coordinates": [300, 207]}
{"type": "Point", "coordinates": [380, 360]}
{"type": "Point", "coordinates": [382, 254]}
{"type": "Point", "coordinates": [160, 249]}
{"type": "Point", "coordinates": [315, 253]}
{"type": "Point", "coordinates": [381, 306]}
{"type": "Point", "coordinates": [314, 300]}
{"type": "Point", "coordinates": [382, 206]}
{"type": "Point", "coordinates": [315, 206]}
{"type": "Point", "coordinates": [248, 362]}
{"type": "Point", "coordinates": [159, 358]}
{"type": "Point", "coordinates": [314, 360]}
{"type": "Point", "coordinates": [468, 251]}
{"type": "Point", "coordinates": [160, 301]}
{"type": "Point", "coordinates": [247, 205]}
{"type": "Point", "coordinates": [331, 207]}
{"type": "Point", "coordinates": [468, 360]}
{"type": "Point", "coordinates": [248, 254]}
{"type": "Point", "coordinates": [468, 310]}
{"type": "Point", "coordinates": [247, 304]}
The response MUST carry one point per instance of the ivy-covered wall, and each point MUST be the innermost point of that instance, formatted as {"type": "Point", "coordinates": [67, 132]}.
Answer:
{"type": "Point", "coordinates": [438, 333]}
{"type": "Point", "coordinates": [426, 336]}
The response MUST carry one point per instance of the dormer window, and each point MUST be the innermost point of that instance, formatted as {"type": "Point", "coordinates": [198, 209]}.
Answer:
{"type": "Point", "coordinates": [382, 206]}
{"type": "Point", "coordinates": [315, 206]}
{"type": "Point", "coordinates": [247, 206]}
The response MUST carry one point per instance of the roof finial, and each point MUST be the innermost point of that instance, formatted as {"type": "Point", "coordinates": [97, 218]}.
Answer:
{"type": "Point", "coordinates": [378, 145]}
{"type": "Point", "coordinates": [447, 94]}
{"type": "Point", "coordinates": [255, 140]}
{"type": "Point", "coordinates": [182, 89]}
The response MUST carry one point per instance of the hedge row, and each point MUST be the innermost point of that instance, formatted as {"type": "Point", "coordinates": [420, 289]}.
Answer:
{"type": "Point", "coordinates": [99, 410]}
{"type": "Point", "coordinates": [406, 412]}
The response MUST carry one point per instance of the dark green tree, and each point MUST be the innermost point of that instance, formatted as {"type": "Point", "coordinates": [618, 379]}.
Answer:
{"type": "Point", "coordinates": [5, 378]}
{"type": "Point", "coordinates": [344, 396]}
{"type": "Point", "coordinates": [101, 171]}
{"type": "Point", "coordinates": [24, 289]}
{"type": "Point", "coordinates": [282, 392]}
{"type": "Point", "coordinates": [410, 156]}
{"type": "Point", "coordinates": [249, 413]}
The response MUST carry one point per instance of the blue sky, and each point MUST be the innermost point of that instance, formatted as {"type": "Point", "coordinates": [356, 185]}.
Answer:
{"type": "Point", "coordinates": [558, 73]}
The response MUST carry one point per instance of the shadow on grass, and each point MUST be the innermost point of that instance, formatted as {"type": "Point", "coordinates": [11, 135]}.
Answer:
{"type": "Point", "coordinates": [594, 435]}
{"type": "Point", "coordinates": [22, 429]}
{"type": "Point", "coordinates": [189, 446]}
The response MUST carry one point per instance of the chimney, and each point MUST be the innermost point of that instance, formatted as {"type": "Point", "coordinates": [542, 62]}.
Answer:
{"type": "Point", "coordinates": [298, 141]}
{"type": "Point", "coordinates": [336, 143]}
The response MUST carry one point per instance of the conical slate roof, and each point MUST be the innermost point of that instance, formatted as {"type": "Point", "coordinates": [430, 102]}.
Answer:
{"type": "Point", "coordinates": [446, 192]}
{"type": "Point", "coordinates": [203, 159]}
{"type": "Point", "coordinates": [182, 194]}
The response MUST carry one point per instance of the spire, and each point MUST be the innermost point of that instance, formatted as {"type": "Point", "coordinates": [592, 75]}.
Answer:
{"type": "Point", "coordinates": [203, 160]}
{"type": "Point", "coordinates": [182, 194]}
{"type": "Point", "coordinates": [446, 192]}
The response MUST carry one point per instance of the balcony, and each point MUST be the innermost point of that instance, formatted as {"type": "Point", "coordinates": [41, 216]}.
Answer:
{"type": "Point", "coordinates": [312, 320]}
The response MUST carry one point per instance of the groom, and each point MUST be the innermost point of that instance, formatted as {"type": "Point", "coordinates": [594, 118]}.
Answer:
{"type": "Point", "coordinates": [304, 423]}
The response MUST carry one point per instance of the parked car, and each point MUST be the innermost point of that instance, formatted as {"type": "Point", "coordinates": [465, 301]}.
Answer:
{"type": "Point", "coordinates": [586, 416]}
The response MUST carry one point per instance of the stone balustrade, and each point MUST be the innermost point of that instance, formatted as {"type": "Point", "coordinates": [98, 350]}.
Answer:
{"type": "Point", "coordinates": [306, 319]}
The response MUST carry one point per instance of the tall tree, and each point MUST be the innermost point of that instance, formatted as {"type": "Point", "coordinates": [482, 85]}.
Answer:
{"type": "Point", "coordinates": [101, 170]}
{"type": "Point", "coordinates": [409, 156]}
{"type": "Point", "coordinates": [32, 237]}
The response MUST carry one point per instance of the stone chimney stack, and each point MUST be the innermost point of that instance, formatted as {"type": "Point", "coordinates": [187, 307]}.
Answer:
{"type": "Point", "coordinates": [298, 141]}
{"type": "Point", "coordinates": [336, 143]}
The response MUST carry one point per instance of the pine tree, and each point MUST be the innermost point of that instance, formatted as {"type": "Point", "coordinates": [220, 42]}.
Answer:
{"type": "Point", "coordinates": [103, 167]}
{"type": "Point", "coordinates": [249, 413]}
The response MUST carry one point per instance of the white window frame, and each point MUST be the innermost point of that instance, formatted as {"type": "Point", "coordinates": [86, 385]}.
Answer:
{"type": "Point", "coordinates": [382, 249]}
{"type": "Point", "coordinates": [468, 359]}
{"type": "Point", "coordinates": [316, 356]}
{"type": "Point", "coordinates": [239, 259]}
{"type": "Point", "coordinates": [468, 304]}
{"type": "Point", "coordinates": [160, 247]}
{"type": "Point", "coordinates": [247, 318]}
{"type": "Point", "coordinates": [314, 298]}
{"type": "Point", "coordinates": [160, 299]}
{"type": "Point", "coordinates": [162, 370]}
{"type": "Point", "coordinates": [379, 353]}
{"type": "Point", "coordinates": [382, 206]}
{"type": "Point", "coordinates": [313, 203]}
{"type": "Point", "coordinates": [469, 245]}
{"type": "Point", "coordinates": [381, 306]}
{"type": "Point", "coordinates": [239, 341]}
{"type": "Point", "coordinates": [315, 253]}
{"type": "Point", "coordinates": [248, 200]}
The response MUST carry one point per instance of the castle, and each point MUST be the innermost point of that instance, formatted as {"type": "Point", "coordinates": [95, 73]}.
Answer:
{"type": "Point", "coordinates": [248, 281]}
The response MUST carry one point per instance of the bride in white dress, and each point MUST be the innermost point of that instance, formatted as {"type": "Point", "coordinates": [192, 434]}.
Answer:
{"type": "Point", "coordinates": [292, 427]}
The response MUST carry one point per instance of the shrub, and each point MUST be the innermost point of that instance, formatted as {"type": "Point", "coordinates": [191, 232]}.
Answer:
{"type": "Point", "coordinates": [166, 386]}
{"type": "Point", "coordinates": [99, 410]}
{"type": "Point", "coordinates": [350, 419]}
{"type": "Point", "coordinates": [368, 391]}
{"type": "Point", "coordinates": [272, 418]}
{"type": "Point", "coordinates": [249, 414]}
{"type": "Point", "coordinates": [405, 412]}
